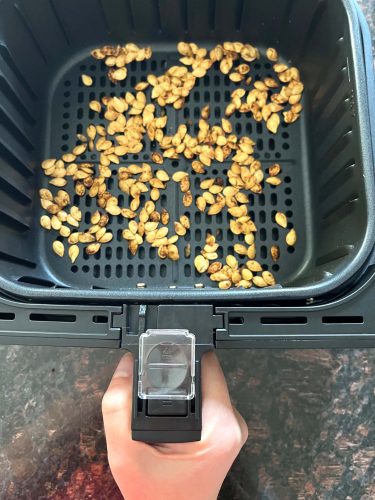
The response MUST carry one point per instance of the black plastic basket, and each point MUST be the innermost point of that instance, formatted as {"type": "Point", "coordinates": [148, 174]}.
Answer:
{"type": "Point", "coordinates": [325, 296]}
{"type": "Point", "coordinates": [328, 190]}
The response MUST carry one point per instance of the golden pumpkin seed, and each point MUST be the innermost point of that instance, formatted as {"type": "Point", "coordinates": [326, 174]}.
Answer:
{"type": "Point", "coordinates": [45, 222]}
{"type": "Point", "coordinates": [274, 170]}
{"type": "Point", "coordinates": [275, 253]}
{"type": "Point", "coordinates": [259, 282]}
{"type": "Point", "coordinates": [268, 278]}
{"type": "Point", "coordinates": [93, 248]}
{"type": "Point", "coordinates": [240, 249]}
{"type": "Point", "coordinates": [254, 266]}
{"type": "Point", "coordinates": [86, 80]}
{"type": "Point", "coordinates": [65, 231]}
{"type": "Point", "coordinates": [58, 182]}
{"type": "Point", "coordinates": [73, 253]}
{"type": "Point", "coordinates": [244, 284]}
{"type": "Point", "coordinates": [95, 106]}
{"type": "Point", "coordinates": [201, 264]}
{"type": "Point", "coordinates": [272, 54]}
{"type": "Point", "coordinates": [273, 123]}
{"type": "Point", "coordinates": [281, 219]}
{"type": "Point", "coordinates": [157, 158]}
{"type": "Point", "coordinates": [179, 229]}
{"type": "Point", "coordinates": [225, 285]}
{"type": "Point", "coordinates": [291, 238]}
{"type": "Point", "coordinates": [273, 181]}
{"type": "Point", "coordinates": [58, 248]}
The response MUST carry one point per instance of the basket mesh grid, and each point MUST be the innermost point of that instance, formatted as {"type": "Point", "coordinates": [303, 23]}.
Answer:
{"type": "Point", "coordinates": [113, 266]}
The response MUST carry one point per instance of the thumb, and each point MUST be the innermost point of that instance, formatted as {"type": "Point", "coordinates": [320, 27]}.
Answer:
{"type": "Point", "coordinates": [117, 408]}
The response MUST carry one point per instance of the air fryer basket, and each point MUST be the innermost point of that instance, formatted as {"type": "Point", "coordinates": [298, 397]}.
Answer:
{"type": "Point", "coordinates": [326, 157]}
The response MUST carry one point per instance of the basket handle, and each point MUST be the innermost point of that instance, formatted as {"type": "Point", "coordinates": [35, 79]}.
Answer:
{"type": "Point", "coordinates": [166, 389]}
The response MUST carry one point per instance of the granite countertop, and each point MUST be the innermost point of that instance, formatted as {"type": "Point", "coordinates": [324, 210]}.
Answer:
{"type": "Point", "coordinates": [310, 415]}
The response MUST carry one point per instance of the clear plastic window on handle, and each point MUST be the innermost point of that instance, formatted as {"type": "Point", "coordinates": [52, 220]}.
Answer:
{"type": "Point", "coordinates": [166, 365]}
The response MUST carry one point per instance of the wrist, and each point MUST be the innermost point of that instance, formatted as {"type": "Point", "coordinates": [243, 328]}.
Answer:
{"type": "Point", "coordinates": [167, 495]}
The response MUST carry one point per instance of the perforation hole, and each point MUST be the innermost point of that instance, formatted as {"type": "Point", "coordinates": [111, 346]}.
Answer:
{"type": "Point", "coordinates": [141, 270]}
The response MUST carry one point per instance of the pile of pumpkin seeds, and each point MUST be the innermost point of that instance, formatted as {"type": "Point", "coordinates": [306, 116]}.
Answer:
{"type": "Point", "coordinates": [132, 119]}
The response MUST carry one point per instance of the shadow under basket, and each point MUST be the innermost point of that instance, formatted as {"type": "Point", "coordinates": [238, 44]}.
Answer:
{"type": "Point", "coordinates": [327, 163]}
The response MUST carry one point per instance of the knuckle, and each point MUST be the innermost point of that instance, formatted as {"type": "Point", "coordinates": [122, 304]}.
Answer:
{"type": "Point", "coordinates": [114, 399]}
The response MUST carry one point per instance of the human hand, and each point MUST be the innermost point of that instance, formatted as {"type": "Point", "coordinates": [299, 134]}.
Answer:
{"type": "Point", "coordinates": [175, 470]}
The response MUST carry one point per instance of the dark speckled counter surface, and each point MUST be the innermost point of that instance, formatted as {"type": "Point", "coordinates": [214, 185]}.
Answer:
{"type": "Point", "coordinates": [311, 418]}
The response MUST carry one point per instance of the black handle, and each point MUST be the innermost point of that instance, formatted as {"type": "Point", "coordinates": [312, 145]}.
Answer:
{"type": "Point", "coordinates": [158, 421]}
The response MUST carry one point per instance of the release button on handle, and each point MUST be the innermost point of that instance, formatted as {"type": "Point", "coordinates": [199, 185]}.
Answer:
{"type": "Point", "coordinates": [166, 366]}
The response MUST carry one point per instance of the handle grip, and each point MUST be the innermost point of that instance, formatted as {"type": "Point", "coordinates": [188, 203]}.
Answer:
{"type": "Point", "coordinates": [167, 421]}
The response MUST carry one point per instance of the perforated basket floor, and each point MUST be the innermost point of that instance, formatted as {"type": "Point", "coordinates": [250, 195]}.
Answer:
{"type": "Point", "coordinates": [114, 266]}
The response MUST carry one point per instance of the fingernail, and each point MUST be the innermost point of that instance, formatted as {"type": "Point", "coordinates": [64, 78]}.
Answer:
{"type": "Point", "coordinates": [125, 366]}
